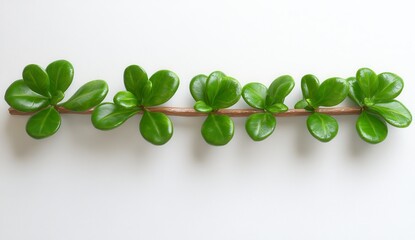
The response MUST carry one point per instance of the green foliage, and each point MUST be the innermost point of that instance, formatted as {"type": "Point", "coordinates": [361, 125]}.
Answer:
{"type": "Point", "coordinates": [140, 94]}
{"type": "Point", "coordinates": [217, 91]}
{"type": "Point", "coordinates": [41, 91]}
{"type": "Point", "coordinates": [376, 95]}
{"type": "Point", "coordinates": [270, 100]}
{"type": "Point", "coordinates": [329, 93]}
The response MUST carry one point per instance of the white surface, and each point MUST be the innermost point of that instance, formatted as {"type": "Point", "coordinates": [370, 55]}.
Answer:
{"type": "Point", "coordinates": [87, 184]}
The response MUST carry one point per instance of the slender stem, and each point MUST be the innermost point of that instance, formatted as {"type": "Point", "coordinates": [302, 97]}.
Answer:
{"type": "Point", "coordinates": [190, 112]}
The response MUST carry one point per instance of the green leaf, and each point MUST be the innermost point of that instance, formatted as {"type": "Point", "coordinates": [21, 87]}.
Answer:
{"type": "Point", "coordinates": [20, 97]}
{"type": "Point", "coordinates": [355, 92]}
{"type": "Point", "coordinates": [135, 79]}
{"type": "Point", "coordinates": [277, 108]}
{"type": "Point", "coordinates": [260, 125]}
{"type": "Point", "coordinates": [301, 104]}
{"type": "Point", "coordinates": [60, 76]}
{"type": "Point", "coordinates": [222, 91]}
{"type": "Point", "coordinates": [371, 128]}
{"type": "Point", "coordinates": [323, 127]}
{"type": "Point", "coordinates": [57, 97]}
{"type": "Point", "coordinates": [254, 95]}
{"type": "Point", "coordinates": [394, 112]}
{"type": "Point", "coordinates": [217, 130]}
{"type": "Point", "coordinates": [164, 86]}
{"type": "Point", "coordinates": [44, 123]}
{"type": "Point", "coordinates": [198, 87]}
{"type": "Point", "coordinates": [390, 86]}
{"type": "Point", "coordinates": [107, 116]}
{"type": "Point", "coordinates": [309, 86]}
{"type": "Point", "coordinates": [279, 89]}
{"type": "Point", "coordinates": [88, 96]}
{"type": "Point", "coordinates": [201, 106]}
{"type": "Point", "coordinates": [156, 127]}
{"type": "Point", "coordinates": [332, 92]}
{"type": "Point", "coordinates": [368, 81]}
{"type": "Point", "coordinates": [36, 79]}
{"type": "Point", "coordinates": [125, 99]}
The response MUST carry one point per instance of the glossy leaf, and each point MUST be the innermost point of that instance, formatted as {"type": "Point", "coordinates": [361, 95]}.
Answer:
{"type": "Point", "coordinates": [355, 92]}
{"type": "Point", "coordinates": [277, 108]}
{"type": "Point", "coordinates": [135, 79]}
{"type": "Point", "coordinates": [323, 127]}
{"type": "Point", "coordinates": [60, 76]}
{"type": "Point", "coordinates": [43, 123]}
{"type": "Point", "coordinates": [164, 86]}
{"type": "Point", "coordinates": [394, 112]}
{"type": "Point", "coordinates": [201, 106]}
{"type": "Point", "coordinates": [88, 96]}
{"type": "Point", "coordinates": [57, 97]}
{"type": "Point", "coordinates": [222, 91]}
{"type": "Point", "coordinates": [107, 116]}
{"type": "Point", "coordinates": [332, 92]}
{"type": "Point", "coordinates": [217, 130]}
{"type": "Point", "coordinates": [125, 99]}
{"type": "Point", "coordinates": [156, 127]}
{"type": "Point", "coordinates": [36, 79]}
{"type": "Point", "coordinates": [260, 125]}
{"type": "Point", "coordinates": [255, 94]}
{"type": "Point", "coordinates": [198, 87]}
{"type": "Point", "coordinates": [309, 86]}
{"type": "Point", "coordinates": [301, 104]}
{"type": "Point", "coordinates": [20, 97]}
{"type": "Point", "coordinates": [279, 89]}
{"type": "Point", "coordinates": [390, 86]}
{"type": "Point", "coordinates": [368, 81]}
{"type": "Point", "coordinates": [371, 128]}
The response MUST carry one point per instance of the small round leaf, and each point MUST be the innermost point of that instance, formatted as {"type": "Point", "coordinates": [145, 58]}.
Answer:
{"type": "Point", "coordinates": [135, 79]}
{"type": "Point", "coordinates": [201, 106]}
{"type": "Point", "coordinates": [222, 91]}
{"type": "Point", "coordinates": [277, 108]}
{"type": "Point", "coordinates": [125, 99]}
{"type": "Point", "coordinates": [279, 89]}
{"type": "Point", "coordinates": [164, 86]}
{"type": "Point", "coordinates": [43, 123]}
{"type": "Point", "coordinates": [36, 79]}
{"type": "Point", "coordinates": [107, 116]}
{"type": "Point", "coordinates": [370, 128]}
{"type": "Point", "coordinates": [355, 92]}
{"type": "Point", "coordinates": [301, 104]}
{"type": "Point", "coordinates": [323, 127]}
{"type": "Point", "coordinates": [156, 127]}
{"type": "Point", "coordinates": [309, 86]}
{"type": "Point", "coordinates": [394, 112]}
{"type": "Point", "coordinates": [60, 74]}
{"type": "Point", "coordinates": [260, 125]}
{"type": "Point", "coordinates": [20, 97]}
{"type": "Point", "coordinates": [255, 94]}
{"type": "Point", "coordinates": [88, 96]}
{"type": "Point", "coordinates": [368, 81]}
{"type": "Point", "coordinates": [331, 92]}
{"type": "Point", "coordinates": [390, 86]}
{"type": "Point", "coordinates": [217, 130]}
{"type": "Point", "coordinates": [198, 87]}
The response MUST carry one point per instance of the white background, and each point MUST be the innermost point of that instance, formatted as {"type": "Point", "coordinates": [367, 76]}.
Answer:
{"type": "Point", "coordinates": [83, 183]}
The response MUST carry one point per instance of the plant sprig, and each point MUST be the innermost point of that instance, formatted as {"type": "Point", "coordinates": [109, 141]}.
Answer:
{"type": "Point", "coordinates": [40, 93]}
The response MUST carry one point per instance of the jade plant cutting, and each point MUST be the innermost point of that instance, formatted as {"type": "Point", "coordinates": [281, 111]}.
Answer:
{"type": "Point", "coordinates": [40, 93]}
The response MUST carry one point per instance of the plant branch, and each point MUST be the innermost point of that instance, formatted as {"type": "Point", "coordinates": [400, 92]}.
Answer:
{"type": "Point", "coordinates": [190, 112]}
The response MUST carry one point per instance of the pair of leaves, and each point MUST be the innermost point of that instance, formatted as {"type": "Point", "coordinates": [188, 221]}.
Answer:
{"type": "Point", "coordinates": [375, 94]}
{"type": "Point", "coordinates": [329, 93]}
{"type": "Point", "coordinates": [41, 90]}
{"type": "Point", "coordinates": [141, 93]}
{"type": "Point", "coordinates": [211, 93]}
{"type": "Point", "coordinates": [271, 100]}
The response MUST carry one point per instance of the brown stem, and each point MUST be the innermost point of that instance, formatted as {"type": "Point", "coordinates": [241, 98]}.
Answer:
{"type": "Point", "coordinates": [190, 112]}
